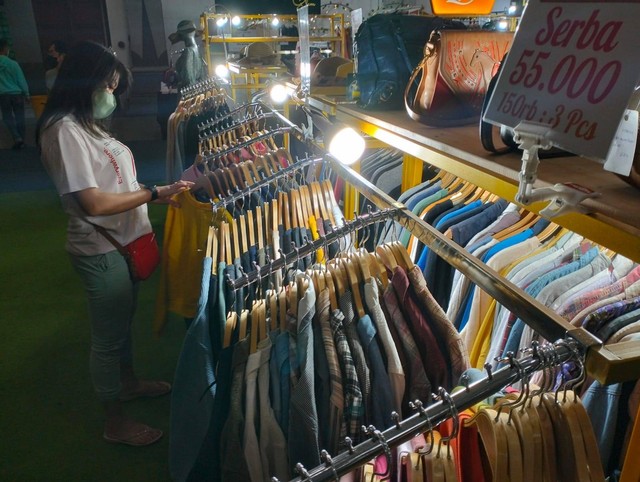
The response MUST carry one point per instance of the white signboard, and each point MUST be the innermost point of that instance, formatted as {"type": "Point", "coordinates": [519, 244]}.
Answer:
{"type": "Point", "coordinates": [572, 66]}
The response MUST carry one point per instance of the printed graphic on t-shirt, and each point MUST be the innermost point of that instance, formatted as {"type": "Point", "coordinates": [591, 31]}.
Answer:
{"type": "Point", "coordinates": [119, 156]}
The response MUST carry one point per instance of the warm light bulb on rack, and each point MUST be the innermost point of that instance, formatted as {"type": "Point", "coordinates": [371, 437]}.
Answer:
{"type": "Point", "coordinates": [513, 8]}
{"type": "Point", "coordinates": [222, 21]}
{"type": "Point", "coordinates": [221, 71]}
{"type": "Point", "coordinates": [503, 24]}
{"type": "Point", "coordinates": [347, 146]}
{"type": "Point", "coordinates": [341, 141]}
{"type": "Point", "coordinates": [275, 21]}
{"type": "Point", "coordinates": [236, 21]}
{"type": "Point", "coordinates": [278, 93]}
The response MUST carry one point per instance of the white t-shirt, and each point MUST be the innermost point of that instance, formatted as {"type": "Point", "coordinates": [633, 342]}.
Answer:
{"type": "Point", "coordinates": [76, 160]}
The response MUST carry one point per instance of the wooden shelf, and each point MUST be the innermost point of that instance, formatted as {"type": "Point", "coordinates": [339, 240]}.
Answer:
{"type": "Point", "coordinates": [614, 221]}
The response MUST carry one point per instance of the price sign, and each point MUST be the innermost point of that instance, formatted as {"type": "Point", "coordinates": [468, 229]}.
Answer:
{"type": "Point", "coordinates": [572, 66]}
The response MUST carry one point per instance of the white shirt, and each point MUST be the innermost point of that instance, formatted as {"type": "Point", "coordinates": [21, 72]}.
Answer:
{"type": "Point", "coordinates": [76, 160]}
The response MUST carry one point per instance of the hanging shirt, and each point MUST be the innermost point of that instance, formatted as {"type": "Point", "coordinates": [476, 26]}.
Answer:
{"type": "Point", "coordinates": [303, 417]}
{"type": "Point", "coordinates": [394, 365]}
{"type": "Point", "coordinates": [194, 388]}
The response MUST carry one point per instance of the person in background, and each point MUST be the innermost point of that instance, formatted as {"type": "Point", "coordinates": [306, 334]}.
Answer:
{"type": "Point", "coordinates": [95, 176]}
{"type": "Point", "coordinates": [14, 91]}
{"type": "Point", "coordinates": [56, 52]}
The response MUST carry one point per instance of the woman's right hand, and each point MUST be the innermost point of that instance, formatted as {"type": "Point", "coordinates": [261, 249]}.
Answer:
{"type": "Point", "coordinates": [166, 193]}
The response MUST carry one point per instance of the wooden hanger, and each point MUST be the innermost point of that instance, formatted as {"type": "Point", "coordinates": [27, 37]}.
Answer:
{"type": "Point", "coordinates": [282, 309]}
{"type": "Point", "coordinates": [305, 198]}
{"type": "Point", "coordinates": [214, 250]}
{"type": "Point", "coordinates": [253, 331]}
{"type": "Point", "coordinates": [297, 218]}
{"type": "Point", "coordinates": [243, 170]}
{"type": "Point", "coordinates": [351, 270]}
{"type": "Point", "coordinates": [244, 241]}
{"type": "Point", "coordinates": [548, 232]}
{"type": "Point", "coordinates": [225, 235]}
{"type": "Point", "coordinates": [283, 200]}
{"type": "Point", "coordinates": [292, 299]}
{"type": "Point", "coordinates": [527, 220]}
{"type": "Point", "coordinates": [229, 327]}
{"type": "Point", "coordinates": [272, 300]}
{"type": "Point", "coordinates": [401, 255]}
{"type": "Point", "coordinates": [333, 299]}
{"type": "Point", "coordinates": [242, 327]}
{"type": "Point", "coordinates": [330, 202]}
{"type": "Point", "coordinates": [337, 276]}
{"type": "Point", "coordinates": [203, 182]}
{"type": "Point", "coordinates": [275, 221]}
{"type": "Point", "coordinates": [318, 201]}
{"type": "Point", "coordinates": [251, 226]}
{"type": "Point", "coordinates": [235, 239]}
{"type": "Point", "coordinates": [386, 256]}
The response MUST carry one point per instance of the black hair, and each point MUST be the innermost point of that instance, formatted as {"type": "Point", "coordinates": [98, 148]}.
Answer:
{"type": "Point", "coordinates": [87, 66]}
{"type": "Point", "coordinates": [60, 46]}
{"type": "Point", "coordinates": [4, 43]}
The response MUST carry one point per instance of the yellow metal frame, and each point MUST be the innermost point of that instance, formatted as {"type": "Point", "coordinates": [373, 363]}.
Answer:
{"type": "Point", "coordinates": [336, 24]}
{"type": "Point", "coordinates": [596, 228]}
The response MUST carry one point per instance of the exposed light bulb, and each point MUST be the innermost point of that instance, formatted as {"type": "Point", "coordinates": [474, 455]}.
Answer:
{"type": "Point", "coordinates": [347, 146]}
{"type": "Point", "coordinates": [278, 94]}
{"type": "Point", "coordinates": [221, 21]}
{"type": "Point", "coordinates": [235, 21]}
{"type": "Point", "coordinates": [275, 21]}
{"type": "Point", "coordinates": [221, 71]}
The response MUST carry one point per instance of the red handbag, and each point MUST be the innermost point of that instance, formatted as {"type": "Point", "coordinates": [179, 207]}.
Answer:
{"type": "Point", "coordinates": [142, 254]}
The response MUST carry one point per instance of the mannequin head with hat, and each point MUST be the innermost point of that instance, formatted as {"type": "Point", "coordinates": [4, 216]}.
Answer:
{"type": "Point", "coordinates": [185, 32]}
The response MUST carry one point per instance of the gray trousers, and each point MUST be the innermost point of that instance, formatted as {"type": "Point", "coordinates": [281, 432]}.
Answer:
{"type": "Point", "coordinates": [112, 298]}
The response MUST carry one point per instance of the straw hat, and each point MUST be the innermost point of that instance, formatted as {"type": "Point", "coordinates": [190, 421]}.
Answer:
{"type": "Point", "coordinates": [184, 27]}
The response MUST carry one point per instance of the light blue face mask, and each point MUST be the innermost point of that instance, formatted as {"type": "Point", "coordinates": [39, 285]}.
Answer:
{"type": "Point", "coordinates": [104, 103]}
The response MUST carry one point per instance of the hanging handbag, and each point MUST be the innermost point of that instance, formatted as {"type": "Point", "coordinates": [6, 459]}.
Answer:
{"type": "Point", "coordinates": [142, 254]}
{"type": "Point", "coordinates": [448, 86]}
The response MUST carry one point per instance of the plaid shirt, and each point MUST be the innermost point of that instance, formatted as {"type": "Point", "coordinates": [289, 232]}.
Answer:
{"type": "Point", "coordinates": [458, 354]}
{"type": "Point", "coordinates": [336, 420]}
{"type": "Point", "coordinates": [353, 401]}
{"type": "Point", "coordinates": [419, 387]}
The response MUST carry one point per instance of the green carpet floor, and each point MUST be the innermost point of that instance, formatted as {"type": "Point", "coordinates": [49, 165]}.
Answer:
{"type": "Point", "coordinates": [50, 421]}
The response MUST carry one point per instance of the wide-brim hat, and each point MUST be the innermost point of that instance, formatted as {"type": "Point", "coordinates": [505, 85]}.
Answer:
{"type": "Point", "coordinates": [184, 27]}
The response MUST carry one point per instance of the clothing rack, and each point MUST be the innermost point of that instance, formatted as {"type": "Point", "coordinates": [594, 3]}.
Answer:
{"type": "Point", "coordinates": [309, 247]}
{"type": "Point", "coordinates": [240, 145]}
{"type": "Point", "coordinates": [237, 122]}
{"type": "Point", "coordinates": [198, 88]}
{"type": "Point", "coordinates": [267, 180]}
{"type": "Point", "coordinates": [217, 119]}
{"type": "Point", "coordinates": [448, 405]}
{"type": "Point", "coordinates": [607, 364]}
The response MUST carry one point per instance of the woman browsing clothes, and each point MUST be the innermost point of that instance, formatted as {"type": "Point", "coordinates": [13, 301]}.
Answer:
{"type": "Point", "coordinates": [95, 176]}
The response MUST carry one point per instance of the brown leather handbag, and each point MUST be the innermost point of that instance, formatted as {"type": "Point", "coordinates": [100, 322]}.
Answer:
{"type": "Point", "coordinates": [447, 87]}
